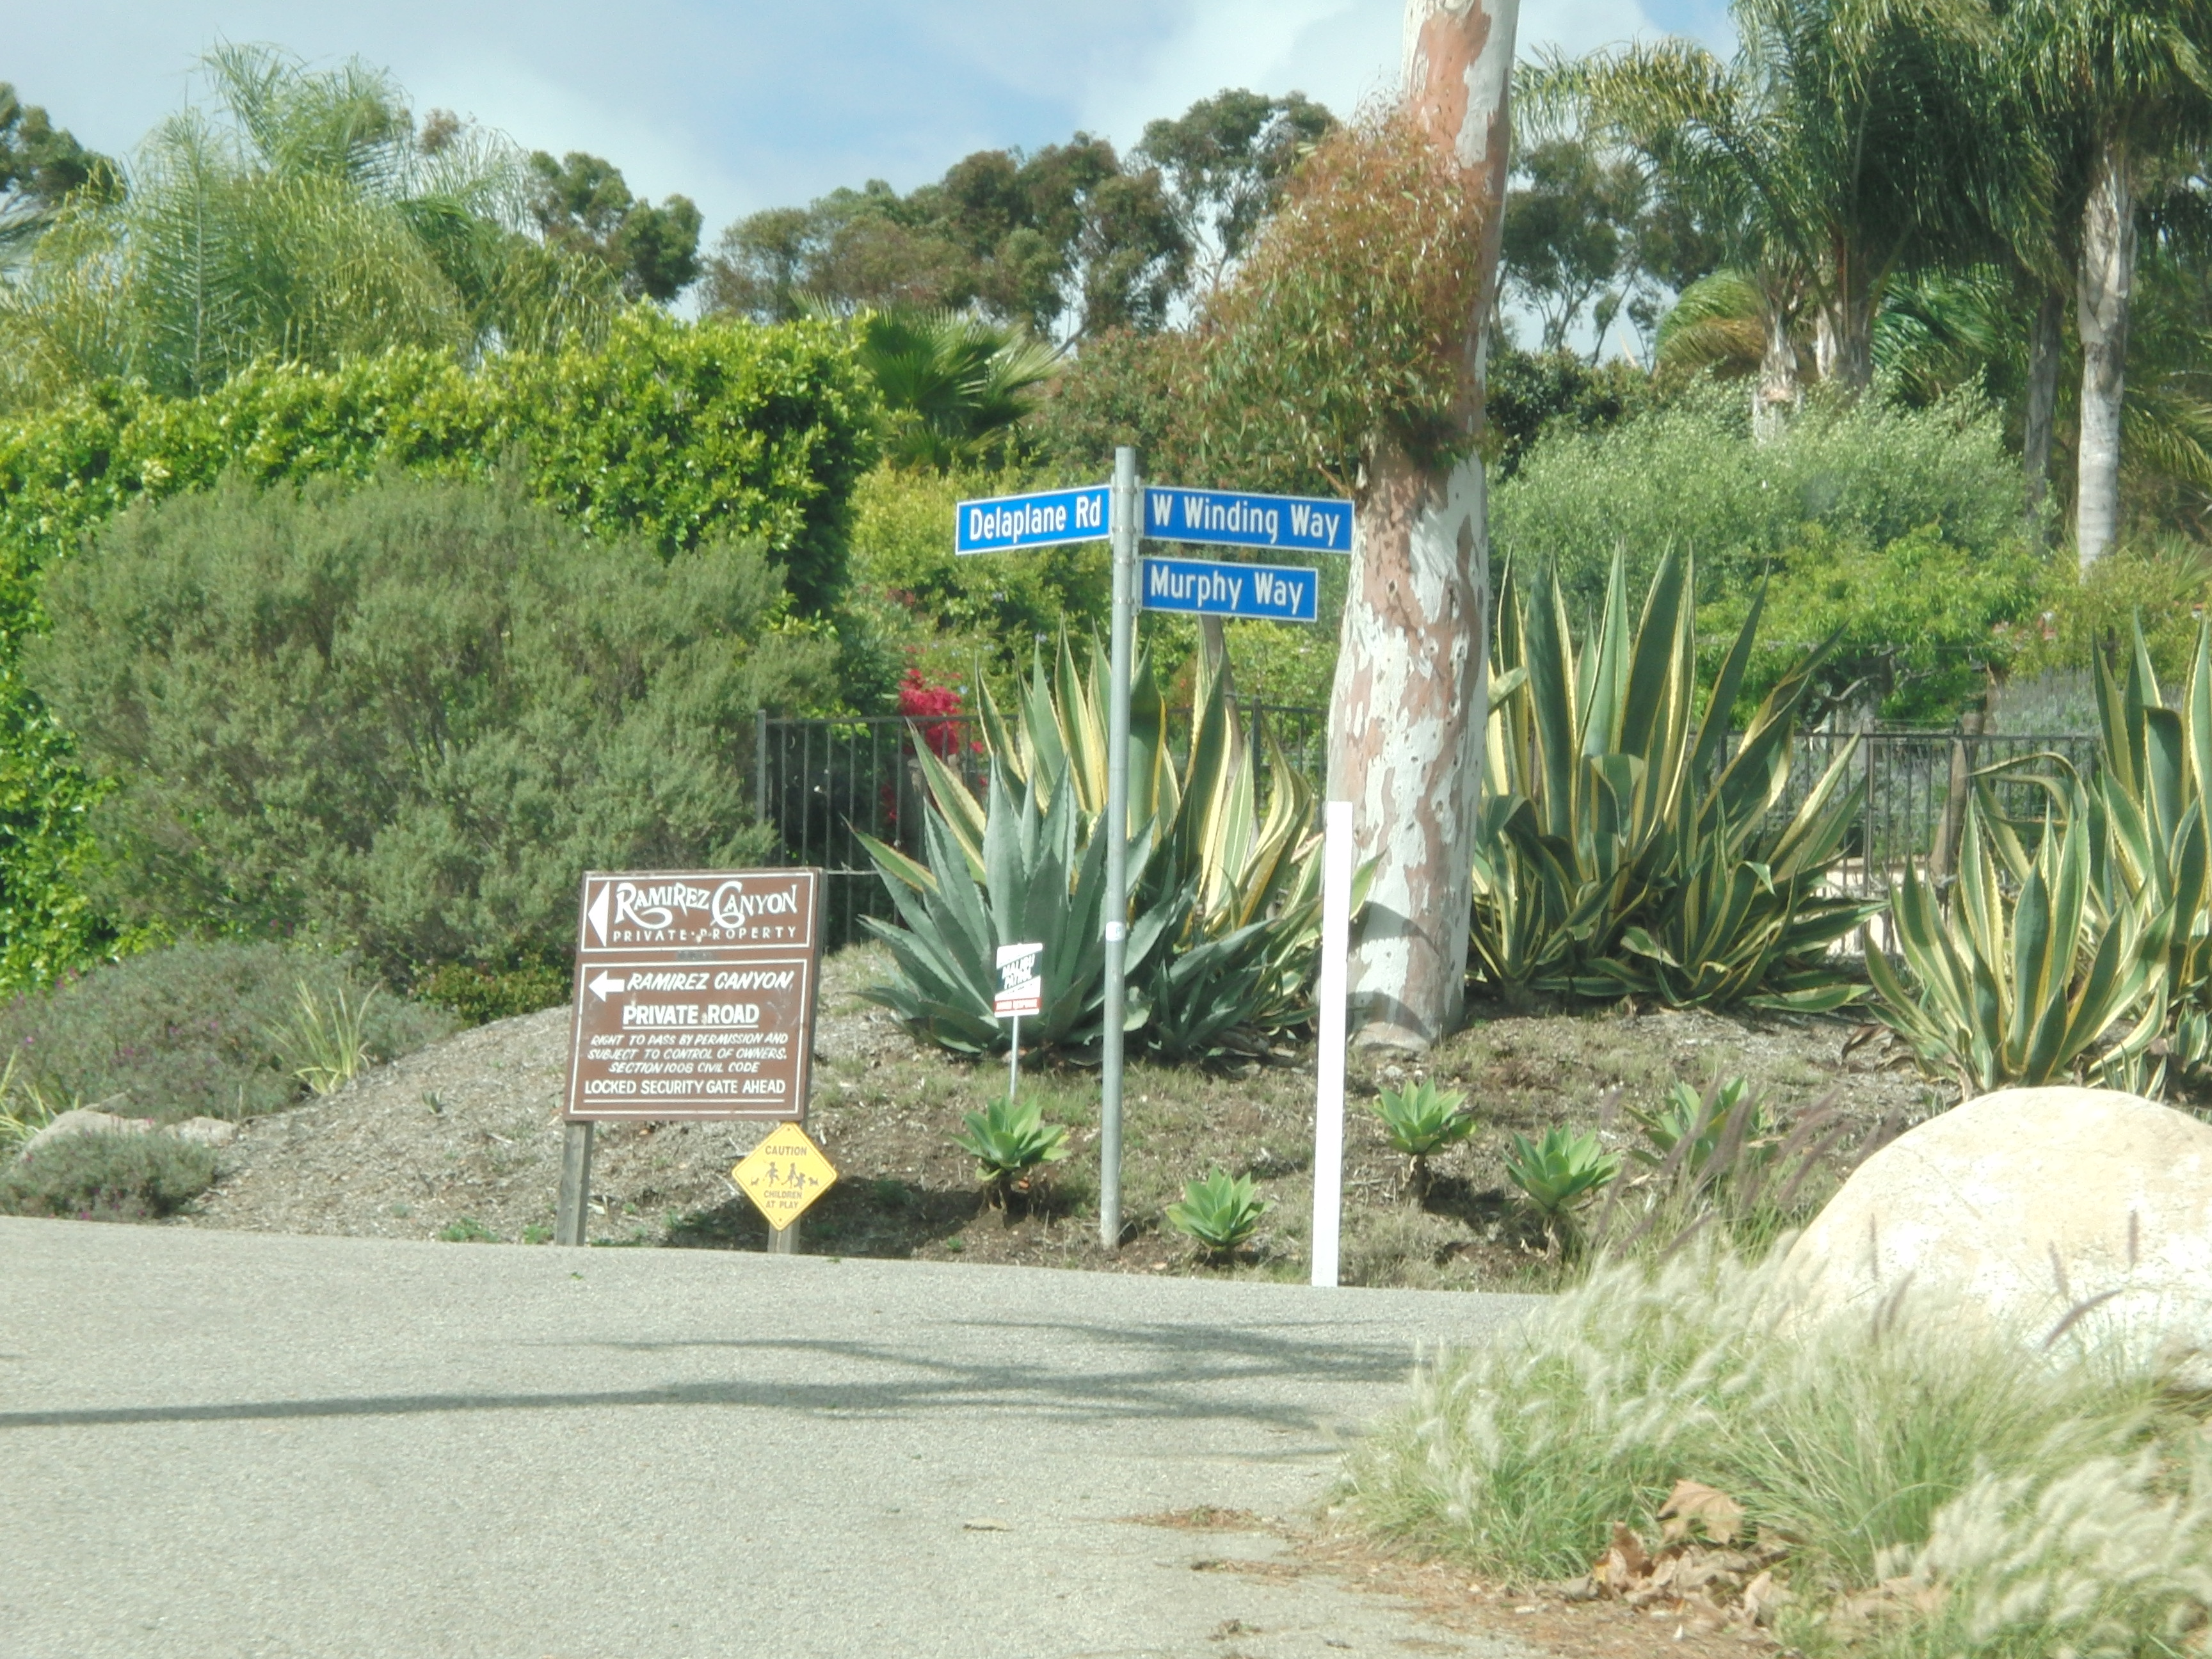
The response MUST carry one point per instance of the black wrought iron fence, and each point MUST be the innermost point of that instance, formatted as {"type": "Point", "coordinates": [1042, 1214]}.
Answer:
{"type": "Point", "coordinates": [823, 783]}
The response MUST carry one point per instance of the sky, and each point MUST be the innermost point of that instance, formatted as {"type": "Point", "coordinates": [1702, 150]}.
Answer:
{"type": "Point", "coordinates": [749, 104]}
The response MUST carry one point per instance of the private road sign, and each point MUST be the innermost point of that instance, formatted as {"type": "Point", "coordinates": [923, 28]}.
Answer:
{"type": "Point", "coordinates": [1206, 587]}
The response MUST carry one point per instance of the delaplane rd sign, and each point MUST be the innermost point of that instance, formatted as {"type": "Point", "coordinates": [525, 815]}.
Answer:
{"type": "Point", "coordinates": [1209, 587]}
{"type": "Point", "coordinates": [1046, 518]}
{"type": "Point", "coordinates": [694, 994]}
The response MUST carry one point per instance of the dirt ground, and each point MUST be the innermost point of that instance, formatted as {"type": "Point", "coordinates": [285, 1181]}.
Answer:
{"type": "Point", "coordinates": [462, 1142]}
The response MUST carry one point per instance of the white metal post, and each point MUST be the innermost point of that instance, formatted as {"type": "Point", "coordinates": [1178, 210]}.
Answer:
{"type": "Point", "coordinates": [1116, 831]}
{"type": "Point", "coordinates": [1328, 1057]}
{"type": "Point", "coordinates": [1014, 1063]}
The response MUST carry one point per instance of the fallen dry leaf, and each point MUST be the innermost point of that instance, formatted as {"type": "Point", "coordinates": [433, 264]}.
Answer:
{"type": "Point", "coordinates": [1694, 1503]}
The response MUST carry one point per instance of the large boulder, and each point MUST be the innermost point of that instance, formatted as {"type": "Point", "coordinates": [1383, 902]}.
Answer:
{"type": "Point", "coordinates": [2067, 1216]}
{"type": "Point", "coordinates": [88, 1121]}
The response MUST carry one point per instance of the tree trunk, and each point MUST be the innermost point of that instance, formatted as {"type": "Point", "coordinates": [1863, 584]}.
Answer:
{"type": "Point", "coordinates": [2044, 343]}
{"type": "Point", "coordinates": [1410, 702]}
{"type": "Point", "coordinates": [1842, 342]}
{"type": "Point", "coordinates": [1775, 394]}
{"type": "Point", "coordinates": [2100, 316]}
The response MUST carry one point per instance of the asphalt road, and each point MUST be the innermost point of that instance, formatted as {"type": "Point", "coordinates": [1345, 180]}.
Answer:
{"type": "Point", "coordinates": [235, 1444]}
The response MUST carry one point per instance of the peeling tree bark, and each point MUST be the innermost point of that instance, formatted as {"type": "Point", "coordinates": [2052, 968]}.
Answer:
{"type": "Point", "coordinates": [1410, 698]}
{"type": "Point", "coordinates": [2100, 316]}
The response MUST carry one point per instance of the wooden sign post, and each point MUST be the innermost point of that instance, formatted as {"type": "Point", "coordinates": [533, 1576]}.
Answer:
{"type": "Point", "coordinates": [695, 997]}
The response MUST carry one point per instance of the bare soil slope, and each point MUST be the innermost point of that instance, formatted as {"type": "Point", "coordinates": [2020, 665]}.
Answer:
{"type": "Point", "coordinates": [463, 1140]}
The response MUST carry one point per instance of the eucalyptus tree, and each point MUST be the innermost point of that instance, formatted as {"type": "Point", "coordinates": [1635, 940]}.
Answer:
{"type": "Point", "coordinates": [297, 215]}
{"type": "Point", "coordinates": [2121, 96]}
{"type": "Point", "coordinates": [41, 165]}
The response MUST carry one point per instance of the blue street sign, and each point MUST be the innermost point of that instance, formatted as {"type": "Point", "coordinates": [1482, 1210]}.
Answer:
{"type": "Point", "coordinates": [1045, 519]}
{"type": "Point", "coordinates": [1204, 587]}
{"type": "Point", "coordinates": [1231, 517]}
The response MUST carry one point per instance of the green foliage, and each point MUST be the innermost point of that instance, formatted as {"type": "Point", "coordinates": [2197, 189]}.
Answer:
{"type": "Point", "coordinates": [2162, 587]}
{"type": "Point", "coordinates": [477, 992]}
{"type": "Point", "coordinates": [1227, 160]}
{"type": "Point", "coordinates": [1924, 1444]}
{"type": "Point", "coordinates": [404, 718]}
{"type": "Point", "coordinates": [2152, 823]}
{"type": "Point", "coordinates": [955, 613]}
{"type": "Point", "coordinates": [1687, 1128]}
{"type": "Point", "coordinates": [954, 386]}
{"type": "Point", "coordinates": [1220, 1212]}
{"type": "Point", "coordinates": [2023, 989]}
{"type": "Point", "coordinates": [467, 1230]}
{"type": "Point", "coordinates": [1920, 626]}
{"type": "Point", "coordinates": [1424, 1120]}
{"type": "Point", "coordinates": [107, 1177]}
{"type": "Point", "coordinates": [1561, 1173]}
{"type": "Point", "coordinates": [1527, 394]}
{"type": "Point", "coordinates": [1036, 876]}
{"type": "Point", "coordinates": [668, 433]}
{"type": "Point", "coordinates": [1621, 848]}
{"type": "Point", "coordinates": [1009, 1141]}
{"type": "Point", "coordinates": [583, 205]}
{"type": "Point", "coordinates": [1230, 893]}
{"type": "Point", "coordinates": [1018, 235]}
{"type": "Point", "coordinates": [299, 214]}
{"type": "Point", "coordinates": [1688, 477]}
{"type": "Point", "coordinates": [193, 1031]}
{"type": "Point", "coordinates": [40, 164]}
{"type": "Point", "coordinates": [1347, 326]}
{"type": "Point", "coordinates": [327, 1040]}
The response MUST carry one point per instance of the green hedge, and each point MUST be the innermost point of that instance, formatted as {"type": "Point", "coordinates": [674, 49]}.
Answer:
{"type": "Point", "coordinates": [669, 433]}
{"type": "Point", "coordinates": [666, 434]}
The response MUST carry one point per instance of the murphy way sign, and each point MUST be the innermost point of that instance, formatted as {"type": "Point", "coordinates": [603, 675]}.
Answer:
{"type": "Point", "coordinates": [1206, 587]}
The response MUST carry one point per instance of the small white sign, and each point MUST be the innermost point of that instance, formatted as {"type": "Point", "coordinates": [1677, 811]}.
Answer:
{"type": "Point", "coordinates": [1020, 988]}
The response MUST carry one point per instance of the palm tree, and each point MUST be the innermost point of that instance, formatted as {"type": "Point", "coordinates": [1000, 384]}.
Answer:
{"type": "Point", "coordinates": [1830, 145]}
{"type": "Point", "coordinates": [298, 216]}
{"type": "Point", "coordinates": [954, 384]}
{"type": "Point", "coordinates": [2120, 89]}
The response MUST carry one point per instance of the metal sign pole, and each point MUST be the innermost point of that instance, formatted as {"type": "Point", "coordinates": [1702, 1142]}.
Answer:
{"type": "Point", "coordinates": [1328, 1058]}
{"type": "Point", "coordinates": [1014, 1063]}
{"type": "Point", "coordinates": [1127, 499]}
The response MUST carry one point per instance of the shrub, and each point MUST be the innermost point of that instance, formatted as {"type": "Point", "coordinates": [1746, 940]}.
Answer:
{"type": "Point", "coordinates": [669, 433]}
{"type": "Point", "coordinates": [194, 1030]}
{"type": "Point", "coordinates": [1688, 477]}
{"type": "Point", "coordinates": [107, 1177]}
{"type": "Point", "coordinates": [953, 611]}
{"type": "Point", "coordinates": [406, 718]}
{"type": "Point", "coordinates": [1920, 625]}
{"type": "Point", "coordinates": [1916, 1444]}
{"type": "Point", "coordinates": [478, 994]}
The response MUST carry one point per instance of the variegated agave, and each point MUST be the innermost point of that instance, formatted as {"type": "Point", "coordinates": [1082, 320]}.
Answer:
{"type": "Point", "coordinates": [1623, 847]}
{"type": "Point", "coordinates": [1224, 891]}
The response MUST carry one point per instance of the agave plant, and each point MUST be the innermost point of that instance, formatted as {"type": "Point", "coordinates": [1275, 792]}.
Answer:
{"type": "Point", "coordinates": [2023, 989]}
{"type": "Point", "coordinates": [1421, 1121]}
{"type": "Point", "coordinates": [1622, 848]}
{"type": "Point", "coordinates": [1011, 1143]}
{"type": "Point", "coordinates": [2152, 830]}
{"type": "Point", "coordinates": [1230, 891]}
{"type": "Point", "coordinates": [1560, 1175]}
{"type": "Point", "coordinates": [1039, 878]}
{"type": "Point", "coordinates": [1220, 1212]}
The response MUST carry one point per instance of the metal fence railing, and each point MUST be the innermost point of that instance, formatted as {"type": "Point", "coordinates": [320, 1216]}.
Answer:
{"type": "Point", "coordinates": [823, 784]}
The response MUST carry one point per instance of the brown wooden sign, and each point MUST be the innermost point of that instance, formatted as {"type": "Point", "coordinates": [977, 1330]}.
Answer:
{"type": "Point", "coordinates": [694, 994]}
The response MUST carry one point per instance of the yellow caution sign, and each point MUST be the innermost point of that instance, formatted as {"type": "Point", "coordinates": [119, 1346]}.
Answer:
{"type": "Point", "coordinates": [784, 1174]}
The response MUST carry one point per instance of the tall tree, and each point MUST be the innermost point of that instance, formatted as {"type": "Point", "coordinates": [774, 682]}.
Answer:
{"type": "Point", "coordinates": [1569, 226]}
{"type": "Point", "coordinates": [40, 167]}
{"type": "Point", "coordinates": [582, 202]}
{"type": "Point", "coordinates": [295, 214]}
{"type": "Point", "coordinates": [1226, 160]}
{"type": "Point", "coordinates": [1830, 143]}
{"type": "Point", "coordinates": [2122, 90]}
{"type": "Point", "coordinates": [1408, 712]}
